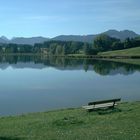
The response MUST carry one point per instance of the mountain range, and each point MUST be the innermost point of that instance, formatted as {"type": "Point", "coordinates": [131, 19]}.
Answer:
{"type": "Point", "coordinates": [82, 38]}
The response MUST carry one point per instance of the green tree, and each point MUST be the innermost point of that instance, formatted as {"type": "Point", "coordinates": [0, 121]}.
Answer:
{"type": "Point", "coordinates": [58, 50]}
{"type": "Point", "coordinates": [118, 45]}
{"type": "Point", "coordinates": [104, 42]}
{"type": "Point", "coordinates": [127, 43]}
{"type": "Point", "coordinates": [52, 48]}
{"type": "Point", "coordinates": [86, 49]}
{"type": "Point", "coordinates": [1, 49]}
{"type": "Point", "coordinates": [64, 50]}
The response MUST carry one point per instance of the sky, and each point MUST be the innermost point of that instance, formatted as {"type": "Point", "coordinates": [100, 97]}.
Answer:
{"type": "Point", "coordinates": [50, 18]}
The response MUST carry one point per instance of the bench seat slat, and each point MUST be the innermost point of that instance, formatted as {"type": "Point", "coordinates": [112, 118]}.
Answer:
{"type": "Point", "coordinates": [101, 104]}
{"type": "Point", "coordinates": [88, 107]}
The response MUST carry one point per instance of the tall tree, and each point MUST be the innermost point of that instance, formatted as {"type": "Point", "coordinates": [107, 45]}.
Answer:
{"type": "Point", "coordinates": [104, 42]}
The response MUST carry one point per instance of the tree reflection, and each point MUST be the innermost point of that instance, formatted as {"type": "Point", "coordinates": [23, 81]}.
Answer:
{"type": "Point", "coordinates": [101, 67]}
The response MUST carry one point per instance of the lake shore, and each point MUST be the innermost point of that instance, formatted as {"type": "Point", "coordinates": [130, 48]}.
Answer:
{"type": "Point", "coordinates": [131, 53]}
{"type": "Point", "coordinates": [70, 124]}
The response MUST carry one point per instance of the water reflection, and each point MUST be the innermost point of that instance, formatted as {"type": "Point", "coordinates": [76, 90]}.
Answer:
{"type": "Point", "coordinates": [41, 83]}
{"type": "Point", "coordinates": [101, 67]}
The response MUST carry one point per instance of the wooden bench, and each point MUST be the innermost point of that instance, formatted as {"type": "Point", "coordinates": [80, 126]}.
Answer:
{"type": "Point", "coordinates": [101, 104]}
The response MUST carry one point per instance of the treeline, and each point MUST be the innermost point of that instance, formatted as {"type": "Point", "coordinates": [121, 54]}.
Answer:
{"type": "Point", "coordinates": [65, 47]}
{"type": "Point", "coordinates": [101, 43]}
{"type": "Point", "coordinates": [106, 43]}
{"type": "Point", "coordinates": [18, 48]}
{"type": "Point", "coordinates": [50, 47]}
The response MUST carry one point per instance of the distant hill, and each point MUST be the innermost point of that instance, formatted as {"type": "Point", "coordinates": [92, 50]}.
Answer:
{"type": "Point", "coordinates": [22, 40]}
{"type": "Point", "coordinates": [82, 38]}
{"type": "Point", "coordinates": [121, 34]}
{"type": "Point", "coordinates": [89, 38]}
{"type": "Point", "coordinates": [31, 41]}
{"type": "Point", "coordinates": [3, 39]}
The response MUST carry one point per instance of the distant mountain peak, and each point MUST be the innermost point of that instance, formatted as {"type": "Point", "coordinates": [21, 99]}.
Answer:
{"type": "Point", "coordinates": [30, 40]}
{"type": "Point", "coordinates": [129, 31]}
{"type": "Point", "coordinates": [122, 35]}
{"type": "Point", "coordinates": [4, 38]}
{"type": "Point", "coordinates": [112, 30]}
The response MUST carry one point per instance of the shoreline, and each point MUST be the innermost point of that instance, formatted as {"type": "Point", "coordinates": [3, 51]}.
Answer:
{"type": "Point", "coordinates": [61, 109]}
{"type": "Point", "coordinates": [65, 124]}
{"type": "Point", "coordinates": [77, 56]}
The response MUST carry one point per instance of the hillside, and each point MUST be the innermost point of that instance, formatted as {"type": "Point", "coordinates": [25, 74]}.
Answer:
{"type": "Point", "coordinates": [80, 38]}
{"type": "Point", "coordinates": [122, 35]}
{"type": "Point", "coordinates": [30, 41]}
{"type": "Point", "coordinates": [3, 39]}
{"type": "Point", "coordinates": [125, 52]}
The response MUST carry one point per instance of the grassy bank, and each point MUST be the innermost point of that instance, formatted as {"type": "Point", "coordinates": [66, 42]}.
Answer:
{"type": "Point", "coordinates": [121, 123]}
{"type": "Point", "coordinates": [126, 52]}
{"type": "Point", "coordinates": [122, 54]}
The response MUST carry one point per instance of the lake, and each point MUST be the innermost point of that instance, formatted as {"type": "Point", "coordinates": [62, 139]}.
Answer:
{"type": "Point", "coordinates": [40, 83]}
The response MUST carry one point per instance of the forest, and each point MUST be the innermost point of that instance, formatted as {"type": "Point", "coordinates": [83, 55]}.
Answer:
{"type": "Point", "coordinates": [101, 43]}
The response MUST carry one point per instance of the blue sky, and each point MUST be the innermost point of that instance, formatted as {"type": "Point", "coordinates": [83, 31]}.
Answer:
{"type": "Point", "coordinates": [54, 17]}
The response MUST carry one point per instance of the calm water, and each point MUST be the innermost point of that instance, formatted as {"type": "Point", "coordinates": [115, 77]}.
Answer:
{"type": "Point", "coordinates": [34, 84]}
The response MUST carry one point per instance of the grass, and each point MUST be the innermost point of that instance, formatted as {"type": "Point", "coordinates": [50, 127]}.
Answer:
{"type": "Point", "coordinates": [126, 52]}
{"type": "Point", "coordinates": [121, 123]}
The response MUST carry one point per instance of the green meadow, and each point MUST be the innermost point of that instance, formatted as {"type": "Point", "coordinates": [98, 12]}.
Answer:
{"type": "Point", "coordinates": [121, 123]}
{"type": "Point", "coordinates": [125, 52]}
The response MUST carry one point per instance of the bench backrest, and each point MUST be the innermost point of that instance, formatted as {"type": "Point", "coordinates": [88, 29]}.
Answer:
{"type": "Point", "coordinates": [104, 101]}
